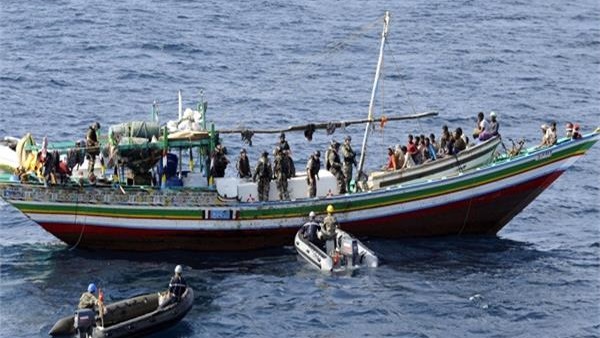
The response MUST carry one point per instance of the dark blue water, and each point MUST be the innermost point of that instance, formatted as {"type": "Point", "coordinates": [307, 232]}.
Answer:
{"type": "Point", "coordinates": [65, 64]}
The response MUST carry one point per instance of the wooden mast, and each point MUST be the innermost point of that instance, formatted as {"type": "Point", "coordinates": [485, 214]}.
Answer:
{"type": "Point", "coordinates": [363, 149]}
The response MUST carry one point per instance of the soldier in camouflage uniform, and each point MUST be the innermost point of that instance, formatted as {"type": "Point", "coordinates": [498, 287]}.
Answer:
{"type": "Point", "coordinates": [88, 300]}
{"type": "Point", "coordinates": [264, 173]}
{"type": "Point", "coordinates": [281, 172]}
{"type": "Point", "coordinates": [349, 161]}
{"type": "Point", "coordinates": [285, 147]}
{"type": "Point", "coordinates": [335, 166]}
{"type": "Point", "coordinates": [312, 173]}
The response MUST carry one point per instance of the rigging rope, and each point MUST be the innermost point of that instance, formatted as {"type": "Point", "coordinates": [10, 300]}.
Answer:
{"type": "Point", "coordinates": [333, 48]}
{"type": "Point", "coordinates": [403, 84]}
{"type": "Point", "coordinates": [75, 222]}
{"type": "Point", "coordinates": [300, 66]}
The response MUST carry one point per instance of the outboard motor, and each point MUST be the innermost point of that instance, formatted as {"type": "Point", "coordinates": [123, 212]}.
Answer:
{"type": "Point", "coordinates": [349, 248]}
{"type": "Point", "coordinates": [84, 322]}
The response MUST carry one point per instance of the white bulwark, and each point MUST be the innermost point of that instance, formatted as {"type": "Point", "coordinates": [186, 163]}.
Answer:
{"type": "Point", "coordinates": [246, 190]}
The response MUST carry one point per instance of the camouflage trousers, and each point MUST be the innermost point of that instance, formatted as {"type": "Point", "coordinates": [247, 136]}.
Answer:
{"type": "Point", "coordinates": [347, 170]}
{"type": "Point", "coordinates": [341, 180]}
{"type": "Point", "coordinates": [263, 189]}
{"type": "Point", "coordinates": [312, 186]}
{"type": "Point", "coordinates": [282, 187]}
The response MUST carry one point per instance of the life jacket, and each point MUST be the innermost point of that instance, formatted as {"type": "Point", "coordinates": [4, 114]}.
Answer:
{"type": "Point", "coordinates": [177, 285]}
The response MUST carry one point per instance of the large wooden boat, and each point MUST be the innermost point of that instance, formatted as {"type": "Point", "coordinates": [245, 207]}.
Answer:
{"type": "Point", "coordinates": [133, 215]}
{"type": "Point", "coordinates": [478, 202]}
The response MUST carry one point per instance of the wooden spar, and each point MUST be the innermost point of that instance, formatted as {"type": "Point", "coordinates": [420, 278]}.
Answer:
{"type": "Point", "coordinates": [325, 125]}
{"type": "Point", "coordinates": [363, 149]}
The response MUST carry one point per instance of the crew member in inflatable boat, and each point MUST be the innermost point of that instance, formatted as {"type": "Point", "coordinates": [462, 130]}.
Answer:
{"type": "Point", "coordinates": [310, 228]}
{"type": "Point", "coordinates": [327, 233]}
{"type": "Point", "coordinates": [88, 300]}
{"type": "Point", "coordinates": [177, 285]}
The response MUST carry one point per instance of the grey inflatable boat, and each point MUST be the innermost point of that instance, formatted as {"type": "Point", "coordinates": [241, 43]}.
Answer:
{"type": "Point", "coordinates": [131, 317]}
{"type": "Point", "coordinates": [347, 253]}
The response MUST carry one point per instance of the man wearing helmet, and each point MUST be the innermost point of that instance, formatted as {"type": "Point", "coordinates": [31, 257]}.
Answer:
{"type": "Point", "coordinates": [312, 173]}
{"type": "Point", "coordinates": [177, 285]}
{"type": "Point", "coordinates": [330, 225]}
{"type": "Point", "coordinates": [310, 228]}
{"type": "Point", "coordinates": [88, 300]}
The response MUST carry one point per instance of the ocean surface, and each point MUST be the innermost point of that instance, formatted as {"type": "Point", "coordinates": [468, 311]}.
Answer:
{"type": "Point", "coordinates": [66, 64]}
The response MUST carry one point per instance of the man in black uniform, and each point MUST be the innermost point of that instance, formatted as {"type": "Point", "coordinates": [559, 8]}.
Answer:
{"type": "Point", "coordinates": [220, 162]}
{"type": "Point", "coordinates": [312, 173]}
{"type": "Point", "coordinates": [243, 165]}
{"type": "Point", "coordinates": [177, 285]}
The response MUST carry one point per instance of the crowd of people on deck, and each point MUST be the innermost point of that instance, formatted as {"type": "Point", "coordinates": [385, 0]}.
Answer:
{"type": "Point", "coordinates": [421, 149]}
{"type": "Point", "coordinates": [339, 158]}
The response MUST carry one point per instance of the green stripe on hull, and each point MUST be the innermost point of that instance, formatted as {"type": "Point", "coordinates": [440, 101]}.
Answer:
{"type": "Point", "coordinates": [302, 207]}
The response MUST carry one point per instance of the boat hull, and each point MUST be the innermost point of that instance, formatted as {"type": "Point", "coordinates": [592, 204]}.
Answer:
{"type": "Point", "coordinates": [479, 202]}
{"type": "Point", "coordinates": [480, 215]}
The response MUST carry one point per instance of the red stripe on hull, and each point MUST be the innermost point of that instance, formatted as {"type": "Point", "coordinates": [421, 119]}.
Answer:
{"type": "Point", "coordinates": [100, 237]}
{"type": "Point", "coordinates": [482, 215]}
